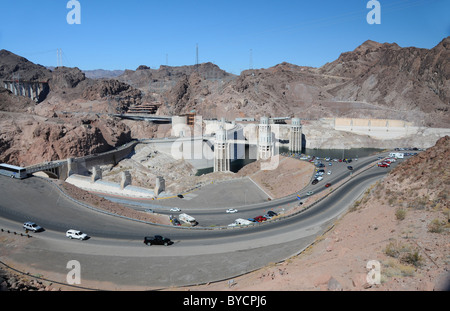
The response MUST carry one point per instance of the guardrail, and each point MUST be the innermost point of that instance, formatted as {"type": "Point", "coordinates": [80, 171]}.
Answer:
{"type": "Point", "coordinates": [15, 233]}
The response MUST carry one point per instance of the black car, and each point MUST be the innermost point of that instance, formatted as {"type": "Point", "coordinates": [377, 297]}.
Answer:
{"type": "Point", "coordinates": [271, 213]}
{"type": "Point", "coordinates": [157, 240]}
{"type": "Point", "coordinates": [315, 181]}
{"type": "Point", "coordinates": [180, 196]}
{"type": "Point", "coordinates": [350, 167]}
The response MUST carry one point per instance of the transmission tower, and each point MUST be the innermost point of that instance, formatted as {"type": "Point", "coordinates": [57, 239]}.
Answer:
{"type": "Point", "coordinates": [196, 58]}
{"type": "Point", "coordinates": [58, 57]}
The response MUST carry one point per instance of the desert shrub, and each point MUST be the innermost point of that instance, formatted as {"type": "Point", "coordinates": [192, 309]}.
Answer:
{"type": "Point", "coordinates": [412, 257]}
{"type": "Point", "coordinates": [400, 214]}
{"type": "Point", "coordinates": [436, 226]}
{"type": "Point", "coordinates": [404, 253]}
{"type": "Point", "coordinates": [394, 268]}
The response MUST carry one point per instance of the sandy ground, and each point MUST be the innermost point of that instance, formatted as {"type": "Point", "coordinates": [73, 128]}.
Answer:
{"type": "Point", "coordinates": [288, 176]}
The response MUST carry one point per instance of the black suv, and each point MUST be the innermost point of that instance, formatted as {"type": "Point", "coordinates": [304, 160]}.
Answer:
{"type": "Point", "coordinates": [271, 213]}
{"type": "Point", "coordinates": [157, 240]}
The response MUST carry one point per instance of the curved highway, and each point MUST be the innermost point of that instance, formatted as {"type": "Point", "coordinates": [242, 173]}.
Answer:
{"type": "Point", "coordinates": [115, 252]}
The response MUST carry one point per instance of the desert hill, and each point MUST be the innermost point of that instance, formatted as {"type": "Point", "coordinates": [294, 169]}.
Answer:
{"type": "Point", "coordinates": [374, 80]}
{"type": "Point", "coordinates": [377, 80]}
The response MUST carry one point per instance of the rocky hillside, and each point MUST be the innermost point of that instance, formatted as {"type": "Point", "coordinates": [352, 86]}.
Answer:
{"type": "Point", "coordinates": [402, 78]}
{"type": "Point", "coordinates": [374, 80]}
{"type": "Point", "coordinates": [13, 66]}
{"type": "Point", "coordinates": [66, 123]}
{"type": "Point", "coordinates": [423, 181]}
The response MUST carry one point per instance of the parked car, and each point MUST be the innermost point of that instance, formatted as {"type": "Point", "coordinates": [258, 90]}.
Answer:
{"type": "Point", "coordinates": [32, 226]}
{"type": "Point", "coordinates": [272, 213]}
{"type": "Point", "coordinates": [350, 168]}
{"type": "Point", "coordinates": [251, 219]}
{"type": "Point", "coordinates": [180, 196]}
{"type": "Point", "coordinates": [382, 165]}
{"type": "Point", "coordinates": [328, 185]}
{"type": "Point", "coordinates": [309, 192]}
{"type": "Point", "coordinates": [76, 234]}
{"type": "Point", "coordinates": [315, 181]}
{"type": "Point", "coordinates": [176, 222]}
{"type": "Point", "coordinates": [149, 210]}
{"type": "Point", "coordinates": [260, 218]}
{"type": "Point", "coordinates": [157, 240]}
{"type": "Point", "coordinates": [231, 211]}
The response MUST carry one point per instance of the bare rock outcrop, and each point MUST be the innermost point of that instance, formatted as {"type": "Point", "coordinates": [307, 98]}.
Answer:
{"type": "Point", "coordinates": [16, 67]}
{"type": "Point", "coordinates": [103, 89]}
{"type": "Point", "coordinates": [30, 140]}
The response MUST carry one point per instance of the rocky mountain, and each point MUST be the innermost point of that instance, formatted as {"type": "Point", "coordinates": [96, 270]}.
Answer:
{"type": "Point", "coordinates": [146, 78]}
{"type": "Point", "coordinates": [401, 78]}
{"type": "Point", "coordinates": [14, 67]}
{"type": "Point", "coordinates": [62, 125]}
{"type": "Point", "coordinates": [102, 74]}
{"type": "Point", "coordinates": [378, 80]}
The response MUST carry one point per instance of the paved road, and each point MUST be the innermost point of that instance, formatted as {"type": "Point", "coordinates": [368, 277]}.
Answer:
{"type": "Point", "coordinates": [208, 204]}
{"type": "Point", "coordinates": [116, 254]}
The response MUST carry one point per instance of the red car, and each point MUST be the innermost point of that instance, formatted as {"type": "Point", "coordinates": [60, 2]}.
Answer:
{"type": "Point", "coordinates": [260, 218]}
{"type": "Point", "coordinates": [327, 185]}
{"type": "Point", "coordinates": [383, 165]}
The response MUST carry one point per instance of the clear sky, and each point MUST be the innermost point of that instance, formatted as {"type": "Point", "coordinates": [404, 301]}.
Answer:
{"type": "Point", "coordinates": [125, 34]}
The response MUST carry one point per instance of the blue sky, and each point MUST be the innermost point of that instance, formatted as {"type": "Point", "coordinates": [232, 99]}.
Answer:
{"type": "Point", "coordinates": [126, 34]}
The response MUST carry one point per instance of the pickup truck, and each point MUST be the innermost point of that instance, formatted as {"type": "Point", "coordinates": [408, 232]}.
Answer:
{"type": "Point", "coordinates": [157, 240]}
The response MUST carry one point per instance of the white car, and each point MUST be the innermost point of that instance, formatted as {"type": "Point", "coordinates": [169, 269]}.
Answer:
{"type": "Point", "coordinates": [175, 209]}
{"type": "Point", "coordinates": [329, 173]}
{"type": "Point", "coordinates": [231, 210]}
{"type": "Point", "coordinates": [76, 234]}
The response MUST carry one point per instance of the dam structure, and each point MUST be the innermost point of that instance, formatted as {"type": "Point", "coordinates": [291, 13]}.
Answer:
{"type": "Point", "coordinates": [295, 136]}
{"type": "Point", "coordinates": [221, 152]}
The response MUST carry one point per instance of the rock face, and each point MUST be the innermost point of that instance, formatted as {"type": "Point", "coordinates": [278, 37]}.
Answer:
{"type": "Point", "coordinates": [11, 103]}
{"type": "Point", "coordinates": [32, 140]}
{"type": "Point", "coordinates": [374, 80]}
{"type": "Point", "coordinates": [403, 78]}
{"type": "Point", "coordinates": [103, 89]}
{"type": "Point", "coordinates": [426, 175]}
{"type": "Point", "coordinates": [13, 66]}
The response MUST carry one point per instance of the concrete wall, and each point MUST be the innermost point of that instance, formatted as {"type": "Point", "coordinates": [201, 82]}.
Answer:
{"type": "Point", "coordinates": [376, 128]}
{"type": "Point", "coordinates": [84, 165]}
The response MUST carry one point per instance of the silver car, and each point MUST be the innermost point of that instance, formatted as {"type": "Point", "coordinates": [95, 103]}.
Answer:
{"type": "Point", "coordinates": [32, 226]}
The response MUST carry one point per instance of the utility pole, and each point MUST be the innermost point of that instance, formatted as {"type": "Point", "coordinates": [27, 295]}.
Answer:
{"type": "Point", "coordinates": [196, 58]}
{"type": "Point", "coordinates": [58, 57]}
